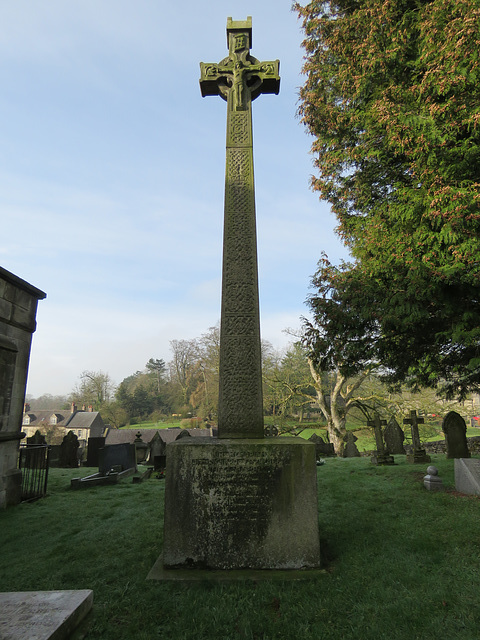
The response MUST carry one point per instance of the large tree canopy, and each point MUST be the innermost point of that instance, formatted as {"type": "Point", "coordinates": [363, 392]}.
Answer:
{"type": "Point", "coordinates": [392, 97]}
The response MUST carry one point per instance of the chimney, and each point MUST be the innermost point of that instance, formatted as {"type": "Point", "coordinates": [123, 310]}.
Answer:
{"type": "Point", "coordinates": [26, 407]}
{"type": "Point", "coordinates": [73, 408]}
{"type": "Point", "coordinates": [90, 407]}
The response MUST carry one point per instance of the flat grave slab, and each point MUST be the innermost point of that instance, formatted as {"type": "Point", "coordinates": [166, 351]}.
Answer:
{"type": "Point", "coordinates": [467, 476]}
{"type": "Point", "coordinates": [42, 615]}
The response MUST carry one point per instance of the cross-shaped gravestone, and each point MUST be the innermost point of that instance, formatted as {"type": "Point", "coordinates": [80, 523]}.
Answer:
{"type": "Point", "coordinates": [414, 421]}
{"type": "Point", "coordinates": [239, 79]}
{"type": "Point", "coordinates": [419, 454]}
{"type": "Point", "coordinates": [382, 457]}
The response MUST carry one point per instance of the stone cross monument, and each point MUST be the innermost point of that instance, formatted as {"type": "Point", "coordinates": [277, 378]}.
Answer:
{"type": "Point", "coordinates": [419, 455]}
{"type": "Point", "coordinates": [239, 501]}
{"type": "Point", "coordinates": [382, 456]}
{"type": "Point", "coordinates": [239, 79]}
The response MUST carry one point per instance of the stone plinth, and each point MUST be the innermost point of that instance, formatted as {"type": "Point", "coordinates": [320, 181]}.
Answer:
{"type": "Point", "coordinates": [235, 504]}
{"type": "Point", "coordinates": [419, 456]}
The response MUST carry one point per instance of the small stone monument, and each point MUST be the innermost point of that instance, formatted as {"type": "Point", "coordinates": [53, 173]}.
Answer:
{"type": "Point", "coordinates": [455, 430]}
{"type": "Point", "coordinates": [239, 501]}
{"type": "Point", "coordinates": [322, 448]}
{"type": "Point", "coordinates": [419, 455]}
{"type": "Point", "coordinates": [431, 481]}
{"type": "Point", "coordinates": [394, 437]}
{"type": "Point", "coordinates": [382, 456]}
{"type": "Point", "coordinates": [350, 450]}
{"type": "Point", "coordinates": [68, 451]}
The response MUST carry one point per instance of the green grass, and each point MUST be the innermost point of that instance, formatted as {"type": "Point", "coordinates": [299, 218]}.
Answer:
{"type": "Point", "coordinates": [400, 563]}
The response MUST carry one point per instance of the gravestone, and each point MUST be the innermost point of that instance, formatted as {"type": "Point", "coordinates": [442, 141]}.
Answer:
{"type": "Point", "coordinates": [68, 458]}
{"type": "Point", "coordinates": [94, 445]}
{"type": "Point", "coordinates": [381, 456]}
{"type": "Point", "coordinates": [419, 455]}
{"type": "Point", "coordinates": [322, 448]}
{"type": "Point", "coordinates": [240, 501]}
{"type": "Point", "coordinates": [455, 430]}
{"type": "Point", "coordinates": [55, 453]}
{"type": "Point", "coordinates": [37, 438]}
{"type": "Point", "coordinates": [116, 456]}
{"type": "Point", "coordinates": [350, 450]}
{"type": "Point", "coordinates": [467, 476]}
{"type": "Point", "coordinates": [43, 615]}
{"type": "Point", "coordinates": [34, 454]}
{"type": "Point", "coordinates": [394, 437]}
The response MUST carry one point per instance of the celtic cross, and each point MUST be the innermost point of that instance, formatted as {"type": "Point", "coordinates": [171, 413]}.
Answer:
{"type": "Point", "coordinates": [239, 79]}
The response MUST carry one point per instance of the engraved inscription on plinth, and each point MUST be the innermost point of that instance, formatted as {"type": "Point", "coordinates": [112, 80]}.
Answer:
{"type": "Point", "coordinates": [245, 504]}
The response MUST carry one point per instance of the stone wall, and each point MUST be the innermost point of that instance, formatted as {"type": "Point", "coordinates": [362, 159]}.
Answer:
{"type": "Point", "coordinates": [440, 446]}
{"type": "Point", "coordinates": [18, 309]}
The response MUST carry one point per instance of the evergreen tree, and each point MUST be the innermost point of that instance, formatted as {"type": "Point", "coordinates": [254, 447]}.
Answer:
{"type": "Point", "coordinates": [392, 98]}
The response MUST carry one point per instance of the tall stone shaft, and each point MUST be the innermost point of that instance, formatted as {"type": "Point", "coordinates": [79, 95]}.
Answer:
{"type": "Point", "coordinates": [239, 79]}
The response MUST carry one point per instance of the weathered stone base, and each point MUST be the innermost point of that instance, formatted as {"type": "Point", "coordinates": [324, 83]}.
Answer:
{"type": "Point", "coordinates": [381, 459]}
{"type": "Point", "coordinates": [241, 504]}
{"type": "Point", "coordinates": [418, 457]}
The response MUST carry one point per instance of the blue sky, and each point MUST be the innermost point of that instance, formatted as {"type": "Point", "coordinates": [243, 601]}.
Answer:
{"type": "Point", "coordinates": [112, 178]}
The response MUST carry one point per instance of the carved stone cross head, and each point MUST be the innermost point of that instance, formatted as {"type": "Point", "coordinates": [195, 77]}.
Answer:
{"type": "Point", "coordinates": [239, 78]}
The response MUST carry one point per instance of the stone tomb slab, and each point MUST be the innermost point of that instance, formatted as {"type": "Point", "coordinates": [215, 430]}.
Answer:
{"type": "Point", "coordinates": [241, 504]}
{"type": "Point", "coordinates": [42, 615]}
{"type": "Point", "coordinates": [467, 476]}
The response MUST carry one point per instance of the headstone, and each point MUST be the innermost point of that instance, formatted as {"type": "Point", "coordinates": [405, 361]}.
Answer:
{"type": "Point", "coordinates": [350, 450]}
{"type": "Point", "coordinates": [455, 430]}
{"type": "Point", "coordinates": [419, 455]}
{"type": "Point", "coordinates": [394, 437]}
{"type": "Point", "coordinates": [183, 434]}
{"type": "Point", "coordinates": [55, 454]}
{"type": "Point", "coordinates": [37, 438]}
{"type": "Point", "coordinates": [467, 475]}
{"type": "Point", "coordinates": [159, 463]}
{"type": "Point", "coordinates": [432, 482]}
{"type": "Point", "coordinates": [69, 451]}
{"type": "Point", "coordinates": [381, 456]}
{"type": "Point", "coordinates": [116, 455]}
{"type": "Point", "coordinates": [240, 501]}
{"type": "Point", "coordinates": [322, 448]}
{"type": "Point", "coordinates": [94, 445]}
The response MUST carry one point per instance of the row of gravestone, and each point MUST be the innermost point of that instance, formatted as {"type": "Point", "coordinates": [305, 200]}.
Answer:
{"type": "Point", "coordinates": [393, 436]}
{"type": "Point", "coordinates": [66, 455]}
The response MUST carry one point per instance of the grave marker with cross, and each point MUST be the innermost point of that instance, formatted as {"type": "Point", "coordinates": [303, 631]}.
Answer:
{"type": "Point", "coordinates": [382, 456]}
{"type": "Point", "coordinates": [239, 79]}
{"type": "Point", "coordinates": [419, 454]}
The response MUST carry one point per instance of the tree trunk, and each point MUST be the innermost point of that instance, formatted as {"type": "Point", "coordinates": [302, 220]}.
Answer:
{"type": "Point", "coordinates": [336, 433]}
